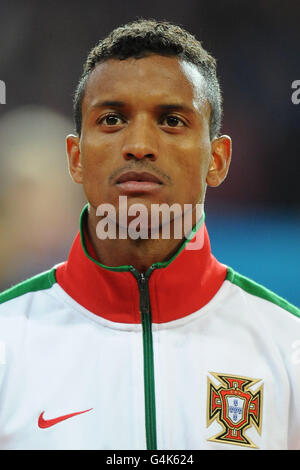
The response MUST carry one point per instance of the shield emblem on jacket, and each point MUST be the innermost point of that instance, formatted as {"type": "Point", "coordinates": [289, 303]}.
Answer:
{"type": "Point", "coordinates": [235, 409]}
{"type": "Point", "coordinates": [235, 406]}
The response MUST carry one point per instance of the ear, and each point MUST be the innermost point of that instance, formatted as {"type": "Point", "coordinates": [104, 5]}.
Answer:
{"type": "Point", "coordinates": [74, 156]}
{"type": "Point", "coordinates": [220, 160]}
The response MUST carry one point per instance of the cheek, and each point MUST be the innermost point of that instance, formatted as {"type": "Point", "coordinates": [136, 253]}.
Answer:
{"type": "Point", "coordinates": [95, 158]}
{"type": "Point", "coordinates": [94, 170]}
{"type": "Point", "coordinates": [191, 170]}
{"type": "Point", "coordinates": [192, 163]}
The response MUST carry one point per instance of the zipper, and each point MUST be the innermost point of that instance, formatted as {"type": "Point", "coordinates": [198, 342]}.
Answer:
{"type": "Point", "coordinates": [149, 387]}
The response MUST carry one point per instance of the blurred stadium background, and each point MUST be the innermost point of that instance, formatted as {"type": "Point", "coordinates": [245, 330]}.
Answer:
{"type": "Point", "coordinates": [253, 218]}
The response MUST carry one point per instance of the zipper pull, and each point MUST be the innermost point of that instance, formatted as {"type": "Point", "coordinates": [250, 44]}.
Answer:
{"type": "Point", "coordinates": [142, 282]}
{"type": "Point", "coordinates": [144, 300]}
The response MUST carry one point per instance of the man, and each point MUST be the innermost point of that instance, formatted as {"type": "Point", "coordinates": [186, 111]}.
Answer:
{"type": "Point", "coordinates": [147, 342]}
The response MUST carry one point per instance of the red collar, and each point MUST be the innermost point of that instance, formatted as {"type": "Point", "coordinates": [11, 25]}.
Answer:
{"type": "Point", "coordinates": [177, 288]}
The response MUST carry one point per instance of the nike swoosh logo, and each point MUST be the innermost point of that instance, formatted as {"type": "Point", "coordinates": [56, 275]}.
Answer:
{"type": "Point", "coordinates": [47, 423]}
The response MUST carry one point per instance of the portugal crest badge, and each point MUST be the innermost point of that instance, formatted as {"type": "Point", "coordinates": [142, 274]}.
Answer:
{"type": "Point", "coordinates": [235, 406]}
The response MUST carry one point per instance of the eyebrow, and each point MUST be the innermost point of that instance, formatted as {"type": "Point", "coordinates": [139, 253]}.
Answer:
{"type": "Point", "coordinates": [109, 103]}
{"type": "Point", "coordinates": [176, 107]}
{"type": "Point", "coordinates": [162, 107]}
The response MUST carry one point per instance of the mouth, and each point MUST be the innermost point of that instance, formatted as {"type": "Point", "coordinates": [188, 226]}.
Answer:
{"type": "Point", "coordinates": [133, 181]}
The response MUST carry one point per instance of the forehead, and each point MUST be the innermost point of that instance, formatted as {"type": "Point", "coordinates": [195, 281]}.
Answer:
{"type": "Point", "coordinates": [152, 79]}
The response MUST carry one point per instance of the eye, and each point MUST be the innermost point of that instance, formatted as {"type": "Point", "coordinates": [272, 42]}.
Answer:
{"type": "Point", "coordinates": [172, 121]}
{"type": "Point", "coordinates": [111, 120]}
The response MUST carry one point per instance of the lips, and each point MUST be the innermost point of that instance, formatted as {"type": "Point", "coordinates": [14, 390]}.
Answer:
{"type": "Point", "coordinates": [134, 183]}
{"type": "Point", "coordinates": [138, 177]}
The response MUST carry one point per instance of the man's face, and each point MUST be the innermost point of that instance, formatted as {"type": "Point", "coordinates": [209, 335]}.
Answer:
{"type": "Point", "coordinates": [148, 116]}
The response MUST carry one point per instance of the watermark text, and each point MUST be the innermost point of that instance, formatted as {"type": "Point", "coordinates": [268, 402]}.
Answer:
{"type": "Point", "coordinates": [164, 221]}
{"type": "Point", "coordinates": [2, 92]}
{"type": "Point", "coordinates": [296, 94]}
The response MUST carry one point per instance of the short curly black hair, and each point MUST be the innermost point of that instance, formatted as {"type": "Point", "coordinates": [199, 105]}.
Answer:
{"type": "Point", "coordinates": [142, 37]}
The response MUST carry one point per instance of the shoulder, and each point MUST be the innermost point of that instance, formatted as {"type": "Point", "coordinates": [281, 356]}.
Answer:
{"type": "Point", "coordinates": [259, 292]}
{"type": "Point", "coordinates": [40, 282]}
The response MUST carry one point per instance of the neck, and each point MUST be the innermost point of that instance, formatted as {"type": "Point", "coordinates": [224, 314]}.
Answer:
{"type": "Point", "coordinates": [140, 253]}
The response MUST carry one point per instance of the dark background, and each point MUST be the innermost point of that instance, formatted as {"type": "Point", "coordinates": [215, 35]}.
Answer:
{"type": "Point", "coordinates": [253, 218]}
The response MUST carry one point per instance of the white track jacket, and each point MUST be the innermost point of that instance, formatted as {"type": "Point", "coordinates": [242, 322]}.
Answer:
{"type": "Point", "coordinates": [191, 355]}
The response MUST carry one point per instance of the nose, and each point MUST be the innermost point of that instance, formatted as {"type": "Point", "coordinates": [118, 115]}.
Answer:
{"type": "Point", "coordinates": [140, 140]}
